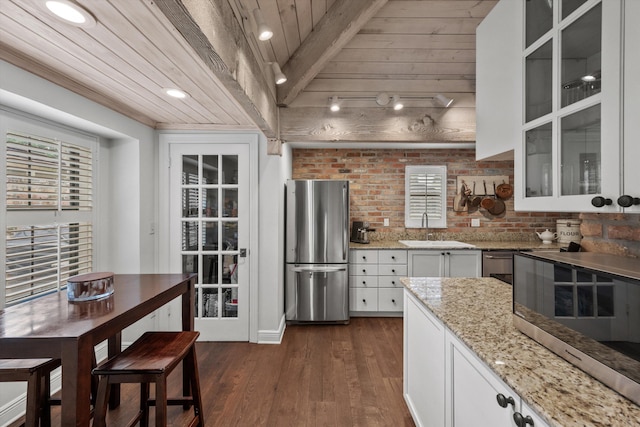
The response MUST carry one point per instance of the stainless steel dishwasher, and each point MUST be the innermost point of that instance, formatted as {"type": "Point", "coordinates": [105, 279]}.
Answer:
{"type": "Point", "coordinates": [498, 264]}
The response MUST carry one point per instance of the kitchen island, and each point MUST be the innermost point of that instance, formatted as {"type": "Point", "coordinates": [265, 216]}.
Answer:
{"type": "Point", "coordinates": [476, 314]}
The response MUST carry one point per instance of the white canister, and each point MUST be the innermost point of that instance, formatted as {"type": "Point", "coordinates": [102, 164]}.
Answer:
{"type": "Point", "coordinates": [568, 230]}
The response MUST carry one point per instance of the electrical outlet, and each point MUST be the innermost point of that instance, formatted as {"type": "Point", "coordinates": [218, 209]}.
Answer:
{"type": "Point", "coordinates": [475, 222]}
{"type": "Point", "coordinates": [386, 222]}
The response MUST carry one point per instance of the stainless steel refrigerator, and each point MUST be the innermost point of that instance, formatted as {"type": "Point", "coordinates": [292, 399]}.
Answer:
{"type": "Point", "coordinates": [317, 251]}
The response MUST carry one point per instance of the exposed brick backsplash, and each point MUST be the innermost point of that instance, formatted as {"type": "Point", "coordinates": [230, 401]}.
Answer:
{"type": "Point", "coordinates": [376, 179]}
{"type": "Point", "coordinates": [611, 233]}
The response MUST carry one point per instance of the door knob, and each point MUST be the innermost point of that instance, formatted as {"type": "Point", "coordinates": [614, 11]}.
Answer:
{"type": "Point", "coordinates": [627, 201]}
{"type": "Point", "coordinates": [600, 201]}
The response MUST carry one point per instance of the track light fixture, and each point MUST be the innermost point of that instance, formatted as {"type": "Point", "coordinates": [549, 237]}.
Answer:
{"type": "Point", "coordinates": [383, 99]}
{"type": "Point", "coordinates": [397, 105]}
{"type": "Point", "coordinates": [264, 32]}
{"type": "Point", "coordinates": [443, 100]}
{"type": "Point", "coordinates": [334, 105]}
{"type": "Point", "coordinates": [278, 74]}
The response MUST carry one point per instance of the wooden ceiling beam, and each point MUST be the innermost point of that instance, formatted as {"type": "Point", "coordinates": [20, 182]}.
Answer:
{"type": "Point", "coordinates": [340, 24]}
{"type": "Point", "coordinates": [216, 36]}
{"type": "Point", "coordinates": [375, 124]}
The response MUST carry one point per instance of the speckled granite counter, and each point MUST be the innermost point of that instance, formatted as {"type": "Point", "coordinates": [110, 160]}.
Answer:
{"type": "Point", "coordinates": [484, 245]}
{"type": "Point", "coordinates": [478, 311]}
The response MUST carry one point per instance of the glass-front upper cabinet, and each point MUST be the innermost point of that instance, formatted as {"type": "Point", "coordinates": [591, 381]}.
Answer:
{"type": "Point", "coordinates": [570, 152]}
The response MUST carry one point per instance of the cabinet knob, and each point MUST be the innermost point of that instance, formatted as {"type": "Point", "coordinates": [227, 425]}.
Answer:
{"type": "Point", "coordinates": [442, 253]}
{"type": "Point", "coordinates": [364, 282]}
{"type": "Point", "coordinates": [393, 301]}
{"type": "Point", "coordinates": [364, 271]}
{"type": "Point", "coordinates": [626, 201]}
{"type": "Point", "coordinates": [393, 282]}
{"type": "Point", "coordinates": [364, 300]}
{"type": "Point", "coordinates": [521, 420]}
{"type": "Point", "coordinates": [600, 201]}
{"type": "Point", "coordinates": [392, 257]}
{"type": "Point", "coordinates": [393, 271]}
{"type": "Point", "coordinates": [504, 401]}
{"type": "Point", "coordinates": [448, 253]}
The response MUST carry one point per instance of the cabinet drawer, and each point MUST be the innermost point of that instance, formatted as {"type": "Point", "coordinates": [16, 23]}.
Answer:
{"type": "Point", "coordinates": [361, 299]}
{"type": "Point", "coordinates": [392, 257]}
{"type": "Point", "coordinates": [363, 270]}
{"type": "Point", "coordinates": [392, 270]}
{"type": "Point", "coordinates": [390, 299]}
{"type": "Point", "coordinates": [364, 256]}
{"type": "Point", "coordinates": [390, 281]}
{"type": "Point", "coordinates": [363, 281]}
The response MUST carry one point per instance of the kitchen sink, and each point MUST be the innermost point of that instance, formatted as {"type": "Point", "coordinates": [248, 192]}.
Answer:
{"type": "Point", "coordinates": [435, 244]}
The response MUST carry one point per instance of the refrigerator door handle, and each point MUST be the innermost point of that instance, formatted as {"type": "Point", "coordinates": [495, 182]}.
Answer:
{"type": "Point", "coordinates": [318, 269]}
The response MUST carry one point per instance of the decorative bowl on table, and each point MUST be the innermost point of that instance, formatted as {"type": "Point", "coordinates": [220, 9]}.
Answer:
{"type": "Point", "coordinates": [90, 286]}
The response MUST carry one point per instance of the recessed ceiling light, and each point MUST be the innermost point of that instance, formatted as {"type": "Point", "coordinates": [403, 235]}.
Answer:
{"type": "Point", "coordinates": [175, 93]}
{"type": "Point", "coordinates": [70, 12]}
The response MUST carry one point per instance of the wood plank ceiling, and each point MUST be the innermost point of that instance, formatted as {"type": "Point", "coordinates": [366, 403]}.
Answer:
{"type": "Point", "coordinates": [343, 48]}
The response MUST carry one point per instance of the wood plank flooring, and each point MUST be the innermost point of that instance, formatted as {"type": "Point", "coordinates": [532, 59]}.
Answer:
{"type": "Point", "coordinates": [321, 375]}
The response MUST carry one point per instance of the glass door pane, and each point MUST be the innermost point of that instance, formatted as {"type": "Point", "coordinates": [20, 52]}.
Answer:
{"type": "Point", "coordinates": [538, 82]}
{"type": "Point", "coordinates": [539, 19]}
{"type": "Point", "coordinates": [568, 6]}
{"type": "Point", "coordinates": [539, 162]}
{"type": "Point", "coordinates": [580, 152]}
{"type": "Point", "coordinates": [581, 57]}
{"type": "Point", "coordinates": [213, 251]}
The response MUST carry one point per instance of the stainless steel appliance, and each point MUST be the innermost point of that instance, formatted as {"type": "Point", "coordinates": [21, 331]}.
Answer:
{"type": "Point", "coordinates": [359, 232]}
{"type": "Point", "coordinates": [498, 264]}
{"type": "Point", "coordinates": [317, 251]}
{"type": "Point", "coordinates": [585, 307]}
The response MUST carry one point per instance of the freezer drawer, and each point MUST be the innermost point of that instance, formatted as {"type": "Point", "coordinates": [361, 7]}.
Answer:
{"type": "Point", "coordinates": [317, 293]}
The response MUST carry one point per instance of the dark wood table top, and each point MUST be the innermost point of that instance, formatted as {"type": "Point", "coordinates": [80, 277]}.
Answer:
{"type": "Point", "coordinates": [54, 316]}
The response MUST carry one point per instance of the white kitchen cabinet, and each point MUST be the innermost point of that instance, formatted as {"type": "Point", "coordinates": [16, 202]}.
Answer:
{"type": "Point", "coordinates": [446, 384]}
{"type": "Point", "coordinates": [574, 151]}
{"type": "Point", "coordinates": [445, 263]}
{"type": "Point", "coordinates": [424, 360]}
{"type": "Point", "coordinates": [374, 281]}
{"type": "Point", "coordinates": [631, 94]}
{"type": "Point", "coordinates": [499, 81]}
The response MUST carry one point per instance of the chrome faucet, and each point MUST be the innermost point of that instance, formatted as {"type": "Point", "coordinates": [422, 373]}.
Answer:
{"type": "Point", "coordinates": [425, 224]}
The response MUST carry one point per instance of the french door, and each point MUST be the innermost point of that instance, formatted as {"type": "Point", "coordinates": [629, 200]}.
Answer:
{"type": "Point", "coordinates": [209, 233]}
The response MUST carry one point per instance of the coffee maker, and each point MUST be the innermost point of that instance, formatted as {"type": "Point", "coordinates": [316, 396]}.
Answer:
{"type": "Point", "coordinates": [359, 231]}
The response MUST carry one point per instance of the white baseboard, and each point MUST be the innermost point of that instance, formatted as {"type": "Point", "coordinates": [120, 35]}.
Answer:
{"type": "Point", "coordinates": [273, 336]}
{"type": "Point", "coordinates": [11, 410]}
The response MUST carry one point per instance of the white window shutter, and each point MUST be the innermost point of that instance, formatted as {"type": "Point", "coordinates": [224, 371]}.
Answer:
{"type": "Point", "coordinates": [426, 191]}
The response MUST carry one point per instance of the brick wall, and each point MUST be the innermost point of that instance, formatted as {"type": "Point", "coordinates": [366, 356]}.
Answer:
{"type": "Point", "coordinates": [611, 233]}
{"type": "Point", "coordinates": [377, 190]}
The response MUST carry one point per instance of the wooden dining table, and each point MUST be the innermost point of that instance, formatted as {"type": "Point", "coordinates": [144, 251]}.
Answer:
{"type": "Point", "coordinates": [51, 326]}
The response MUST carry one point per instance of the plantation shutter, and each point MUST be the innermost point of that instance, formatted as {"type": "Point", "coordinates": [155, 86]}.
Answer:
{"type": "Point", "coordinates": [46, 174]}
{"type": "Point", "coordinates": [425, 191]}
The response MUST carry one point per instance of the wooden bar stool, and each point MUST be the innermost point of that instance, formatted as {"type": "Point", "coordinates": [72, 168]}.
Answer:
{"type": "Point", "coordinates": [37, 374]}
{"type": "Point", "coordinates": [150, 359]}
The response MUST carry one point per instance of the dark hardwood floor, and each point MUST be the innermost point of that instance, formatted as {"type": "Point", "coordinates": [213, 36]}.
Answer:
{"type": "Point", "coordinates": [321, 375]}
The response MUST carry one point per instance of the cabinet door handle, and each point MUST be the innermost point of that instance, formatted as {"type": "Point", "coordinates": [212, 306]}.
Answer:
{"type": "Point", "coordinates": [364, 300]}
{"type": "Point", "coordinates": [393, 301]}
{"type": "Point", "coordinates": [392, 257]}
{"type": "Point", "coordinates": [504, 401]}
{"type": "Point", "coordinates": [521, 420]}
{"type": "Point", "coordinates": [600, 201]}
{"type": "Point", "coordinates": [393, 282]}
{"type": "Point", "coordinates": [628, 201]}
{"type": "Point", "coordinates": [393, 271]}
{"type": "Point", "coordinates": [364, 271]}
{"type": "Point", "coordinates": [364, 282]}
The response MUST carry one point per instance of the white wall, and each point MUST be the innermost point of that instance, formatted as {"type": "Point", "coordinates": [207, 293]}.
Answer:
{"type": "Point", "coordinates": [274, 171]}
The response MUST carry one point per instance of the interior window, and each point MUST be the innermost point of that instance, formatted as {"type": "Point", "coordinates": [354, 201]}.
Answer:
{"type": "Point", "coordinates": [425, 196]}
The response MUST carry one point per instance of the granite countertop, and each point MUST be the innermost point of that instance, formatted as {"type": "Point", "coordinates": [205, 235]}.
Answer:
{"type": "Point", "coordinates": [478, 311]}
{"type": "Point", "coordinates": [484, 245]}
